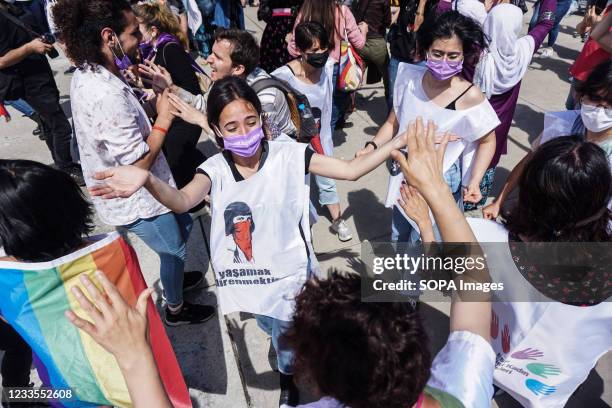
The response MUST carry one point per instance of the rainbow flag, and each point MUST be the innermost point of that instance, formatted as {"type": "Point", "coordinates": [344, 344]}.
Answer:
{"type": "Point", "coordinates": [33, 299]}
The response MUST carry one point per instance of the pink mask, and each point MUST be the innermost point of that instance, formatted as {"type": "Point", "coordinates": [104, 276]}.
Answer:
{"type": "Point", "coordinates": [244, 145]}
{"type": "Point", "coordinates": [443, 69]}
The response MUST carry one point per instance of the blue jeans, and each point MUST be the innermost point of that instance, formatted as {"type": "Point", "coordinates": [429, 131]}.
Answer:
{"type": "Point", "coordinates": [275, 329]}
{"type": "Point", "coordinates": [401, 229]}
{"type": "Point", "coordinates": [562, 8]}
{"type": "Point", "coordinates": [166, 234]}
{"type": "Point", "coordinates": [340, 101]}
{"type": "Point", "coordinates": [328, 193]}
{"type": "Point", "coordinates": [393, 65]}
{"type": "Point", "coordinates": [22, 106]}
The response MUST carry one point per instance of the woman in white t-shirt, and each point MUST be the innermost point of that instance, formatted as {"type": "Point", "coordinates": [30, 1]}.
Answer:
{"type": "Point", "coordinates": [593, 121]}
{"type": "Point", "coordinates": [312, 74]}
{"type": "Point", "coordinates": [439, 93]}
{"type": "Point", "coordinates": [260, 234]}
{"type": "Point", "coordinates": [553, 320]}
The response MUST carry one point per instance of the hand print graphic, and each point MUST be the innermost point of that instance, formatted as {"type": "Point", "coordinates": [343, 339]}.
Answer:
{"type": "Point", "coordinates": [543, 370]}
{"type": "Point", "coordinates": [527, 354]}
{"type": "Point", "coordinates": [494, 325]}
{"type": "Point", "coordinates": [539, 388]}
{"type": "Point", "coordinates": [506, 339]}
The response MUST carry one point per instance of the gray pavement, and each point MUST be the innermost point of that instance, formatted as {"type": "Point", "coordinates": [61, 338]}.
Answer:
{"type": "Point", "coordinates": [227, 362]}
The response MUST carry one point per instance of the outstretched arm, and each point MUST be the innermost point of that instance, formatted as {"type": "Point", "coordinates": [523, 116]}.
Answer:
{"type": "Point", "coordinates": [423, 170]}
{"type": "Point", "coordinates": [122, 182]}
{"type": "Point", "coordinates": [122, 331]}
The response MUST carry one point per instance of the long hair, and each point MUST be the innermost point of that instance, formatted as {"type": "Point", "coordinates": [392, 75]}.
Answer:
{"type": "Point", "coordinates": [324, 12]}
{"type": "Point", "coordinates": [158, 15]}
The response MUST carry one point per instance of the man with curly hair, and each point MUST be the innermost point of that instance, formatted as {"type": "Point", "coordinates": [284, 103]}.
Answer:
{"type": "Point", "coordinates": [112, 128]}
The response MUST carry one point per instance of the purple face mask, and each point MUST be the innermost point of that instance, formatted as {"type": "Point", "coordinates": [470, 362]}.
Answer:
{"type": "Point", "coordinates": [124, 62]}
{"type": "Point", "coordinates": [244, 145]}
{"type": "Point", "coordinates": [443, 69]}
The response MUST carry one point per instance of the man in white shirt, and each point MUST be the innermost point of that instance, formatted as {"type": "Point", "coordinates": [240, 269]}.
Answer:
{"type": "Point", "coordinates": [113, 129]}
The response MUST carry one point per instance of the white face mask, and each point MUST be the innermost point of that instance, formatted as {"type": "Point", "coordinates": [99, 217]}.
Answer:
{"type": "Point", "coordinates": [596, 119]}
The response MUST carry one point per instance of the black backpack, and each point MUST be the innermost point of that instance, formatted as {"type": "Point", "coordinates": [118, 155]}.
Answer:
{"type": "Point", "coordinates": [301, 113]}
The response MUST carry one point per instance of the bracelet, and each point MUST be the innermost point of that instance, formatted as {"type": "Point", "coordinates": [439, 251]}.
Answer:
{"type": "Point", "coordinates": [371, 143]}
{"type": "Point", "coordinates": [161, 129]}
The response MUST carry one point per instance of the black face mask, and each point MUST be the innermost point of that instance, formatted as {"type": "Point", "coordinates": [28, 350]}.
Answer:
{"type": "Point", "coordinates": [317, 59]}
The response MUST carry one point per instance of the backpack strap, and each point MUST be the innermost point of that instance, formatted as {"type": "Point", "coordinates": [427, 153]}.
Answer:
{"type": "Point", "coordinates": [266, 83]}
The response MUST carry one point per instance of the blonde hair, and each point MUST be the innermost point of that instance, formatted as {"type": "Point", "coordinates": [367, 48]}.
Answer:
{"type": "Point", "coordinates": [156, 14]}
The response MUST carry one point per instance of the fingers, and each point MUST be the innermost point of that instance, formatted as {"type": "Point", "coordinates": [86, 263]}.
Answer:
{"type": "Point", "coordinates": [111, 291]}
{"type": "Point", "coordinates": [430, 136]}
{"type": "Point", "coordinates": [81, 323]}
{"type": "Point", "coordinates": [100, 301]}
{"type": "Point", "coordinates": [102, 175]}
{"type": "Point", "coordinates": [100, 189]}
{"type": "Point", "coordinates": [441, 150]}
{"type": "Point", "coordinates": [399, 158]}
{"type": "Point", "coordinates": [141, 304]}
{"type": "Point", "coordinates": [411, 143]}
{"type": "Point", "coordinates": [418, 133]}
{"type": "Point", "coordinates": [87, 306]}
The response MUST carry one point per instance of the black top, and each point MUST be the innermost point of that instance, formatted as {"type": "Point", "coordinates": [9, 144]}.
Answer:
{"type": "Point", "coordinates": [264, 155]}
{"type": "Point", "coordinates": [33, 72]}
{"type": "Point", "coordinates": [175, 59]}
{"type": "Point", "coordinates": [377, 13]}
{"type": "Point", "coordinates": [402, 38]}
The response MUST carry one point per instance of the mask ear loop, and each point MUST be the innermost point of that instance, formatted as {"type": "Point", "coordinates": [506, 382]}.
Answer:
{"type": "Point", "coordinates": [120, 47]}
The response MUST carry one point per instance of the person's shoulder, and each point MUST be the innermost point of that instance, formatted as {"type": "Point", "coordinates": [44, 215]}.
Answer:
{"type": "Point", "coordinates": [474, 96]}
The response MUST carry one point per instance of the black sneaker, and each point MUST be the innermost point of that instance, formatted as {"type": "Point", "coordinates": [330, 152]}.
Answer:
{"type": "Point", "coordinates": [189, 314]}
{"type": "Point", "coordinates": [191, 280]}
{"type": "Point", "coordinates": [289, 393]}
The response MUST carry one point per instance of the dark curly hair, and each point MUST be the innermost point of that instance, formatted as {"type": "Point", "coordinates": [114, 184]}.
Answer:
{"type": "Point", "coordinates": [80, 22]}
{"type": "Point", "coordinates": [451, 23]}
{"type": "Point", "coordinates": [363, 354]}
{"type": "Point", "coordinates": [43, 213]}
{"type": "Point", "coordinates": [564, 193]}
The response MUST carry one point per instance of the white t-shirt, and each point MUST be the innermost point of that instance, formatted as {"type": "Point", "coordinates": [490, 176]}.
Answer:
{"type": "Point", "coordinates": [320, 97]}
{"type": "Point", "coordinates": [410, 102]}
{"type": "Point", "coordinates": [111, 128]}
{"type": "Point", "coordinates": [545, 349]}
{"type": "Point", "coordinates": [260, 232]}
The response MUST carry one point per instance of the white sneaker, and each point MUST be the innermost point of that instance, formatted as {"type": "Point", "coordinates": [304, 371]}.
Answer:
{"type": "Point", "coordinates": [339, 226]}
{"type": "Point", "coordinates": [546, 52]}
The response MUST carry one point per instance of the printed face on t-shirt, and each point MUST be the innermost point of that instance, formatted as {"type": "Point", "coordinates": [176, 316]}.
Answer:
{"type": "Point", "coordinates": [242, 235]}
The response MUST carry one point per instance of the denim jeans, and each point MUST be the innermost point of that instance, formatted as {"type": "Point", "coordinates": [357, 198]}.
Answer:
{"type": "Point", "coordinates": [562, 8]}
{"type": "Point", "coordinates": [393, 65]}
{"type": "Point", "coordinates": [22, 106]}
{"type": "Point", "coordinates": [340, 101]}
{"type": "Point", "coordinates": [275, 329]}
{"type": "Point", "coordinates": [328, 193]}
{"type": "Point", "coordinates": [167, 235]}
{"type": "Point", "coordinates": [402, 230]}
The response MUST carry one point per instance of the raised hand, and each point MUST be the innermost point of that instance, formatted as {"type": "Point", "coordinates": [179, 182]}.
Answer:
{"type": "Point", "coordinates": [539, 388]}
{"type": "Point", "coordinates": [163, 107]}
{"type": "Point", "coordinates": [423, 167]}
{"type": "Point", "coordinates": [119, 182]}
{"type": "Point", "coordinates": [187, 112]}
{"type": "Point", "coordinates": [527, 354]}
{"type": "Point", "coordinates": [413, 203]}
{"type": "Point", "coordinates": [119, 328]}
{"type": "Point", "coordinates": [156, 76]}
{"type": "Point", "coordinates": [494, 325]}
{"type": "Point", "coordinates": [543, 370]}
{"type": "Point", "coordinates": [506, 339]}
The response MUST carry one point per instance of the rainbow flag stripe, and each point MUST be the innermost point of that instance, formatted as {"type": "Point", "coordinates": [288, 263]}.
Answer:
{"type": "Point", "coordinates": [33, 299]}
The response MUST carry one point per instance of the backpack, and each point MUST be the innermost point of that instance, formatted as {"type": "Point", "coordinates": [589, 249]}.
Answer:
{"type": "Point", "coordinates": [301, 113]}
